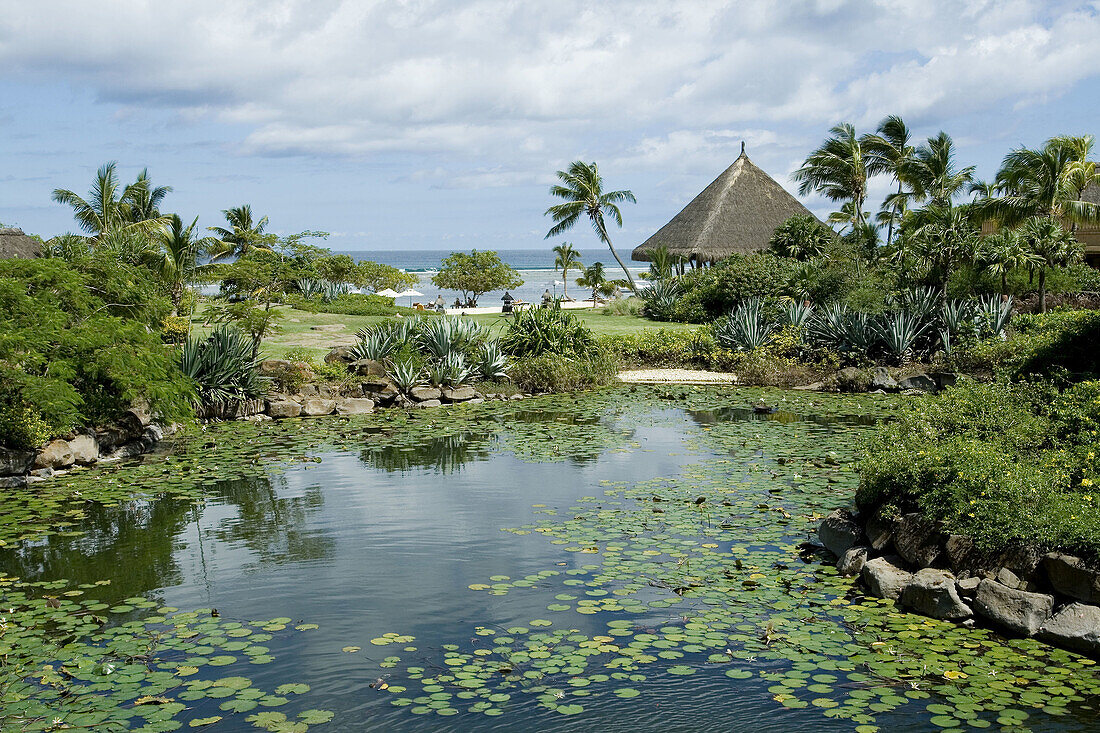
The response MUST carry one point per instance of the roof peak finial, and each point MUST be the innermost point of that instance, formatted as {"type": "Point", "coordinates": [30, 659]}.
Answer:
{"type": "Point", "coordinates": [742, 147]}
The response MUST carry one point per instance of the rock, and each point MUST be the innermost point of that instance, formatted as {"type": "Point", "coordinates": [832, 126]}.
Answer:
{"type": "Point", "coordinates": [1007, 578]}
{"type": "Point", "coordinates": [852, 561]}
{"type": "Point", "coordinates": [839, 532]}
{"type": "Point", "coordinates": [879, 530]}
{"type": "Point", "coordinates": [15, 462]}
{"type": "Point", "coordinates": [325, 391]}
{"type": "Point", "coordinates": [13, 482]}
{"type": "Point", "coordinates": [475, 401]}
{"type": "Point", "coordinates": [354, 406]}
{"type": "Point", "coordinates": [308, 390]}
{"type": "Point", "coordinates": [458, 394]}
{"type": "Point", "coordinates": [919, 381]}
{"type": "Point", "coordinates": [1077, 626]}
{"type": "Point", "coordinates": [944, 380]}
{"type": "Point", "coordinates": [258, 418]}
{"type": "Point", "coordinates": [1071, 577]}
{"type": "Point", "coordinates": [314, 406]}
{"type": "Point", "coordinates": [85, 449]}
{"type": "Point", "coordinates": [881, 379]}
{"type": "Point", "coordinates": [918, 540]}
{"type": "Point", "coordinates": [813, 387]}
{"type": "Point", "coordinates": [884, 578]}
{"type": "Point", "coordinates": [368, 368]}
{"type": "Point", "coordinates": [387, 395]}
{"type": "Point", "coordinates": [516, 397]}
{"type": "Point", "coordinates": [852, 379]}
{"type": "Point", "coordinates": [932, 593]}
{"type": "Point", "coordinates": [421, 394]}
{"type": "Point", "coordinates": [328, 327]}
{"type": "Point", "coordinates": [963, 555]}
{"type": "Point", "coordinates": [55, 454]}
{"type": "Point", "coordinates": [968, 587]}
{"type": "Point", "coordinates": [1016, 610]}
{"type": "Point", "coordinates": [283, 408]}
{"type": "Point", "coordinates": [428, 403]}
{"type": "Point", "coordinates": [340, 355]}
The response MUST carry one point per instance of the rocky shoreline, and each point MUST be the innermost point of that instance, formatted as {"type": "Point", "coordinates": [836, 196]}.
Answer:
{"type": "Point", "coordinates": [1022, 591]}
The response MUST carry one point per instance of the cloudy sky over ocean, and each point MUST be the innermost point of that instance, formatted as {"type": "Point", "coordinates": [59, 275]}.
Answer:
{"type": "Point", "coordinates": [439, 125]}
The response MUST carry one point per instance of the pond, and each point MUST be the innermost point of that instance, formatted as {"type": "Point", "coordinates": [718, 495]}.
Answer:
{"type": "Point", "coordinates": [628, 560]}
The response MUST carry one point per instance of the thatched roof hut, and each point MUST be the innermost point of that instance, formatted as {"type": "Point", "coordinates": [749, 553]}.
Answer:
{"type": "Point", "coordinates": [14, 243]}
{"type": "Point", "coordinates": [736, 214]}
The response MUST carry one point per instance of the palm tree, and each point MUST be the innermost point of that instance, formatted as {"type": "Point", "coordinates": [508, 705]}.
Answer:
{"type": "Point", "coordinates": [1047, 182]}
{"type": "Point", "coordinates": [566, 258]}
{"type": "Point", "coordinates": [1051, 246]}
{"type": "Point", "coordinates": [837, 169]}
{"type": "Point", "coordinates": [142, 200]}
{"type": "Point", "coordinates": [595, 278]}
{"type": "Point", "coordinates": [933, 173]}
{"type": "Point", "coordinates": [939, 238]}
{"type": "Point", "coordinates": [243, 233]}
{"type": "Point", "coordinates": [889, 151]}
{"type": "Point", "coordinates": [106, 207]}
{"type": "Point", "coordinates": [847, 218]}
{"type": "Point", "coordinates": [663, 265]}
{"type": "Point", "coordinates": [176, 259]}
{"type": "Point", "coordinates": [1003, 252]}
{"type": "Point", "coordinates": [583, 192]}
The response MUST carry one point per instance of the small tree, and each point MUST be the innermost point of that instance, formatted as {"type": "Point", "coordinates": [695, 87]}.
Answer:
{"type": "Point", "coordinates": [475, 273]}
{"type": "Point", "coordinates": [801, 237]}
{"type": "Point", "coordinates": [566, 258]}
{"type": "Point", "coordinates": [377, 276]}
{"type": "Point", "coordinates": [1051, 246]}
{"type": "Point", "coordinates": [594, 277]}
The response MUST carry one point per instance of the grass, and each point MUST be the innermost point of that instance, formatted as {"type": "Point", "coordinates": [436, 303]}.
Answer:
{"type": "Point", "coordinates": [319, 332]}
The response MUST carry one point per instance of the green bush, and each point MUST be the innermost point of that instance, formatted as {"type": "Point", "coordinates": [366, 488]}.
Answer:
{"type": "Point", "coordinates": [662, 348]}
{"type": "Point", "coordinates": [710, 292]}
{"type": "Point", "coordinates": [1004, 463]}
{"type": "Point", "coordinates": [623, 307]}
{"type": "Point", "coordinates": [350, 304]}
{"type": "Point", "coordinates": [175, 329]}
{"type": "Point", "coordinates": [559, 373]}
{"type": "Point", "coordinates": [79, 344]}
{"type": "Point", "coordinates": [23, 428]}
{"type": "Point", "coordinates": [223, 367]}
{"type": "Point", "coordinates": [538, 331]}
{"type": "Point", "coordinates": [1041, 344]}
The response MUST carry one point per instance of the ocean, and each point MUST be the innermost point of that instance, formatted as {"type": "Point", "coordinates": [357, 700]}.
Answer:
{"type": "Point", "coordinates": [535, 266]}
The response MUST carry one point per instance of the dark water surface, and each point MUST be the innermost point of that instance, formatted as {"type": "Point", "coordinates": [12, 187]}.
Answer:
{"type": "Point", "coordinates": [365, 542]}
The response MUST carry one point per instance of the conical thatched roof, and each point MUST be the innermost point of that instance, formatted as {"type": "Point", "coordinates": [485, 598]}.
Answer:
{"type": "Point", "coordinates": [736, 214]}
{"type": "Point", "coordinates": [14, 243]}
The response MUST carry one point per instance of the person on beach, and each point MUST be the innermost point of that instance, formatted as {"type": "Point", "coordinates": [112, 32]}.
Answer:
{"type": "Point", "coordinates": [439, 305]}
{"type": "Point", "coordinates": [546, 298]}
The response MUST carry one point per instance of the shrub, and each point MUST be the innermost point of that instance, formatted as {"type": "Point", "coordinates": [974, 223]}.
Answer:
{"type": "Point", "coordinates": [175, 329]}
{"type": "Point", "coordinates": [350, 304]}
{"type": "Point", "coordinates": [560, 373]}
{"type": "Point", "coordinates": [22, 428]}
{"type": "Point", "coordinates": [1004, 463]}
{"type": "Point", "coordinates": [538, 331]}
{"type": "Point", "coordinates": [711, 292]}
{"type": "Point", "coordinates": [1047, 344]}
{"type": "Point", "coordinates": [223, 368]}
{"type": "Point", "coordinates": [623, 307]}
{"type": "Point", "coordinates": [660, 300]}
{"type": "Point", "coordinates": [662, 348]}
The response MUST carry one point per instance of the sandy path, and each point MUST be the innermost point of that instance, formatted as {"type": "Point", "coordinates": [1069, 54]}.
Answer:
{"type": "Point", "coordinates": [676, 376]}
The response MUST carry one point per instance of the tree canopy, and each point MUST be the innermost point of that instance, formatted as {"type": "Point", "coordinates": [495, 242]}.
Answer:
{"type": "Point", "coordinates": [475, 273]}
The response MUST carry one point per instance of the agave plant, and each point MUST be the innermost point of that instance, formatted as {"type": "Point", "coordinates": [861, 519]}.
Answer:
{"type": "Point", "coordinates": [222, 366]}
{"type": "Point", "coordinates": [435, 374]}
{"type": "Point", "coordinates": [954, 314]}
{"type": "Point", "coordinates": [829, 325]}
{"type": "Point", "coordinates": [455, 370]}
{"type": "Point", "coordinates": [660, 299]}
{"type": "Point", "coordinates": [545, 330]}
{"type": "Point", "coordinates": [900, 331]}
{"type": "Point", "coordinates": [746, 328]}
{"type": "Point", "coordinates": [308, 287]}
{"type": "Point", "coordinates": [921, 302]}
{"type": "Point", "coordinates": [375, 344]}
{"type": "Point", "coordinates": [449, 335]}
{"type": "Point", "coordinates": [405, 374]}
{"type": "Point", "coordinates": [798, 312]}
{"type": "Point", "coordinates": [490, 361]}
{"type": "Point", "coordinates": [330, 291]}
{"type": "Point", "coordinates": [994, 314]}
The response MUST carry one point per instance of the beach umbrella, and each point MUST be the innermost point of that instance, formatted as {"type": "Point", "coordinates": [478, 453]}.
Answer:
{"type": "Point", "coordinates": [410, 293]}
{"type": "Point", "coordinates": [387, 293]}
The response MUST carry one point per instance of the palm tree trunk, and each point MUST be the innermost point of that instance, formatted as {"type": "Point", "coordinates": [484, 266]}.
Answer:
{"type": "Point", "coordinates": [1004, 282]}
{"type": "Point", "coordinates": [1043, 290]}
{"type": "Point", "coordinates": [890, 230]}
{"type": "Point", "coordinates": [565, 283]}
{"type": "Point", "coordinates": [629, 277]}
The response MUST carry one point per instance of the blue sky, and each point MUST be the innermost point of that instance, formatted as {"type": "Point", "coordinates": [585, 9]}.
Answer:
{"type": "Point", "coordinates": [439, 125]}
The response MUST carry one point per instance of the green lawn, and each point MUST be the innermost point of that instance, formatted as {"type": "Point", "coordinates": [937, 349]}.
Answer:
{"type": "Point", "coordinates": [319, 332]}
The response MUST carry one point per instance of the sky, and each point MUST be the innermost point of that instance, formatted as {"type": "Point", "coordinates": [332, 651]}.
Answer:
{"type": "Point", "coordinates": [425, 124]}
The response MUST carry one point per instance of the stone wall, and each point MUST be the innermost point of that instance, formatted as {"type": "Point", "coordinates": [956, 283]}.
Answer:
{"type": "Point", "coordinates": [1021, 591]}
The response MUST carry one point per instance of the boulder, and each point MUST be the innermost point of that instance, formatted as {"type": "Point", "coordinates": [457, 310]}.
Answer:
{"type": "Point", "coordinates": [458, 394]}
{"type": "Point", "coordinates": [340, 355]}
{"type": "Point", "coordinates": [354, 406]}
{"type": "Point", "coordinates": [368, 368]}
{"type": "Point", "coordinates": [475, 401]}
{"type": "Point", "coordinates": [852, 379]}
{"type": "Point", "coordinates": [962, 554]}
{"type": "Point", "coordinates": [428, 403]}
{"type": "Point", "coordinates": [15, 462]}
{"type": "Point", "coordinates": [1015, 610]}
{"type": "Point", "coordinates": [85, 449]}
{"type": "Point", "coordinates": [881, 379]}
{"type": "Point", "coordinates": [326, 392]}
{"type": "Point", "coordinates": [308, 390]}
{"type": "Point", "coordinates": [884, 577]}
{"type": "Point", "coordinates": [839, 532]}
{"type": "Point", "coordinates": [813, 387]}
{"type": "Point", "coordinates": [55, 454]}
{"type": "Point", "coordinates": [932, 593]}
{"type": "Point", "coordinates": [314, 406]}
{"type": "Point", "coordinates": [918, 540]}
{"type": "Point", "coordinates": [283, 408]}
{"type": "Point", "coordinates": [13, 482]}
{"type": "Point", "coordinates": [1071, 577]}
{"type": "Point", "coordinates": [944, 380]}
{"type": "Point", "coordinates": [424, 393]}
{"type": "Point", "coordinates": [852, 561]}
{"type": "Point", "coordinates": [1077, 626]}
{"type": "Point", "coordinates": [968, 587]}
{"type": "Point", "coordinates": [880, 531]}
{"type": "Point", "coordinates": [919, 381]}
{"type": "Point", "coordinates": [1007, 578]}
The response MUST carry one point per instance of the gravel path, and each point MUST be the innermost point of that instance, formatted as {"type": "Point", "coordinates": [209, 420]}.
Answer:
{"type": "Point", "coordinates": [676, 376]}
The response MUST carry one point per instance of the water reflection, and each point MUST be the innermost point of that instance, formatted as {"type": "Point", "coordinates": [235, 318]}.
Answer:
{"type": "Point", "coordinates": [741, 414]}
{"type": "Point", "coordinates": [445, 454]}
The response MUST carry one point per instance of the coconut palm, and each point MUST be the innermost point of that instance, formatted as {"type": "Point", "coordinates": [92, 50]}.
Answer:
{"type": "Point", "coordinates": [582, 189]}
{"type": "Point", "coordinates": [934, 174]}
{"type": "Point", "coordinates": [1003, 252]}
{"type": "Point", "coordinates": [1051, 246]}
{"type": "Point", "coordinates": [594, 277]}
{"type": "Point", "coordinates": [939, 238]}
{"type": "Point", "coordinates": [242, 235]}
{"type": "Point", "coordinates": [142, 199]}
{"type": "Point", "coordinates": [566, 258]}
{"type": "Point", "coordinates": [889, 152]}
{"type": "Point", "coordinates": [107, 205]}
{"type": "Point", "coordinates": [837, 169]}
{"type": "Point", "coordinates": [176, 259]}
{"type": "Point", "coordinates": [1047, 182]}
